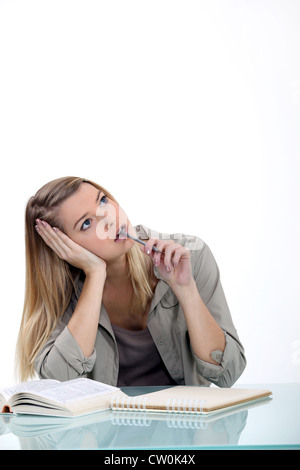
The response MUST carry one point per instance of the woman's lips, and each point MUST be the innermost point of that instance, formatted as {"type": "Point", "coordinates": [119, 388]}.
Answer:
{"type": "Point", "coordinates": [121, 234]}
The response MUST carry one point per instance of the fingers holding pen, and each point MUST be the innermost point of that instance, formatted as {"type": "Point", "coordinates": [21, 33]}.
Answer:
{"type": "Point", "coordinates": [168, 256]}
{"type": "Point", "coordinates": [173, 261]}
{"type": "Point", "coordinates": [166, 252]}
{"type": "Point", "coordinates": [154, 249]}
{"type": "Point", "coordinates": [173, 253]}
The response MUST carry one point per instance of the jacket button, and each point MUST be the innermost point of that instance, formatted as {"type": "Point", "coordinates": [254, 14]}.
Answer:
{"type": "Point", "coordinates": [161, 341]}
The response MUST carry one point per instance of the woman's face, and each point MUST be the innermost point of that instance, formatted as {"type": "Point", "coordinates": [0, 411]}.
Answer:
{"type": "Point", "coordinates": [93, 220]}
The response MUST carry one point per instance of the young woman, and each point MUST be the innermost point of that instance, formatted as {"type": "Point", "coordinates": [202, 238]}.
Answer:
{"type": "Point", "coordinates": [102, 306]}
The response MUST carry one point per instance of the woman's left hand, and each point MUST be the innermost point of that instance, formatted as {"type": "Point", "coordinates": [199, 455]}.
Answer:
{"type": "Point", "coordinates": [173, 263]}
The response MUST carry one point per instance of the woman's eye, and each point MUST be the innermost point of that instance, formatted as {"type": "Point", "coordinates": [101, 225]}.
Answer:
{"type": "Point", "coordinates": [103, 200]}
{"type": "Point", "coordinates": [86, 224]}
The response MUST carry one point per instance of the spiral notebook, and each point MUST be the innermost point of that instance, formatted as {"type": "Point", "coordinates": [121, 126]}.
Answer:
{"type": "Point", "coordinates": [189, 399]}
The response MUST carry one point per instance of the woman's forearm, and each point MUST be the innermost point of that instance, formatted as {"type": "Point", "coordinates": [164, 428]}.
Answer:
{"type": "Point", "coordinates": [84, 322]}
{"type": "Point", "coordinates": [205, 334]}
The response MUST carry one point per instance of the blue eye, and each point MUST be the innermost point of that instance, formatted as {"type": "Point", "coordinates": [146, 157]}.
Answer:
{"type": "Point", "coordinates": [103, 199]}
{"type": "Point", "coordinates": [87, 223]}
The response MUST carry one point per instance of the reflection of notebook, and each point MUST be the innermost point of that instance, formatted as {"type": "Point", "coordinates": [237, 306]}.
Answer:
{"type": "Point", "coordinates": [189, 399]}
{"type": "Point", "coordinates": [183, 420]}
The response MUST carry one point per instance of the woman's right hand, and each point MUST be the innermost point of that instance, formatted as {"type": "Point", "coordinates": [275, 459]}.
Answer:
{"type": "Point", "coordinates": [68, 250]}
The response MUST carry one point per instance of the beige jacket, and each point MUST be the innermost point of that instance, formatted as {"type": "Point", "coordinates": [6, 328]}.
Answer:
{"type": "Point", "coordinates": [62, 359]}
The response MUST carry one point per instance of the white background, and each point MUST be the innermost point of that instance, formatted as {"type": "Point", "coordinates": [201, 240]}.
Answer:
{"type": "Point", "coordinates": [189, 113]}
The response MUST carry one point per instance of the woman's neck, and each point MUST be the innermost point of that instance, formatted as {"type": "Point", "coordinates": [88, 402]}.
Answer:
{"type": "Point", "coordinates": [117, 271]}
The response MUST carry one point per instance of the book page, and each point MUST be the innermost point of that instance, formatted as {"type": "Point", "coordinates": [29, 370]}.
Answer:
{"type": "Point", "coordinates": [30, 386]}
{"type": "Point", "coordinates": [75, 390]}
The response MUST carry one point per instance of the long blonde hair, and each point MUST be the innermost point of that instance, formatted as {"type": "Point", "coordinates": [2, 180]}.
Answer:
{"type": "Point", "coordinates": [50, 281]}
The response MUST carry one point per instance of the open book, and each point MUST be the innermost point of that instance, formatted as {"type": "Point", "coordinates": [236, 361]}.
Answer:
{"type": "Point", "coordinates": [50, 397]}
{"type": "Point", "coordinates": [83, 396]}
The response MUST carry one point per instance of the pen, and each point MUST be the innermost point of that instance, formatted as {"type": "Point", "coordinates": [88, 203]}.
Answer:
{"type": "Point", "coordinates": [124, 232]}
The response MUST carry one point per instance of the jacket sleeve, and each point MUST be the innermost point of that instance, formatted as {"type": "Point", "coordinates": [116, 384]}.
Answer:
{"type": "Point", "coordinates": [61, 358]}
{"type": "Point", "coordinates": [232, 361]}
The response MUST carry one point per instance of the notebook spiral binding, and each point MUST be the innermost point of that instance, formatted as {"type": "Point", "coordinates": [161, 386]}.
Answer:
{"type": "Point", "coordinates": [186, 421]}
{"type": "Point", "coordinates": [131, 418]}
{"type": "Point", "coordinates": [128, 403]}
{"type": "Point", "coordinates": [145, 419]}
{"type": "Point", "coordinates": [185, 406]}
{"type": "Point", "coordinates": [172, 405]}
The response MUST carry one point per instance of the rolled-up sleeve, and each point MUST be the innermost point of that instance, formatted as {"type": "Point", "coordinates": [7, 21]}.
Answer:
{"type": "Point", "coordinates": [232, 361]}
{"type": "Point", "coordinates": [61, 357]}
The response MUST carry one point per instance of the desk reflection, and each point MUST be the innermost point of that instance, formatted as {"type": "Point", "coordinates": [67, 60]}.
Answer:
{"type": "Point", "coordinates": [120, 430]}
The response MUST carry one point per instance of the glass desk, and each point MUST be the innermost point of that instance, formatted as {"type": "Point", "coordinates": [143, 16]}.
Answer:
{"type": "Point", "coordinates": [270, 424]}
